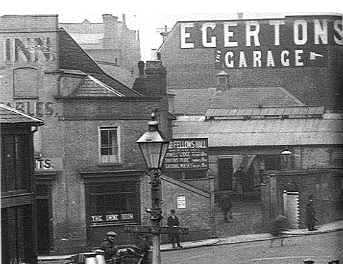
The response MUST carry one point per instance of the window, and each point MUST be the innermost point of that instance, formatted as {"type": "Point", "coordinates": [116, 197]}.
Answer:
{"type": "Point", "coordinates": [109, 145]}
{"type": "Point", "coordinates": [113, 203]}
{"type": "Point", "coordinates": [222, 80]}
{"type": "Point", "coordinates": [15, 154]}
{"type": "Point", "coordinates": [25, 83]}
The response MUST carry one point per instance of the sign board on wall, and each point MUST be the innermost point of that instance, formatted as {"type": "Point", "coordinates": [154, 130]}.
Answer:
{"type": "Point", "coordinates": [289, 42]}
{"type": "Point", "coordinates": [180, 202]}
{"type": "Point", "coordinates": [187, 153]}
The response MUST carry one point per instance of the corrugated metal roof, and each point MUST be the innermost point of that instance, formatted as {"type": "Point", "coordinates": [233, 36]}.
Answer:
{"type": "Point", "coordinates": [290, 112]}
{"type": "Point", "coordinates": [262, 132]}
{"type": "Point", "coordinates": [9, 115]}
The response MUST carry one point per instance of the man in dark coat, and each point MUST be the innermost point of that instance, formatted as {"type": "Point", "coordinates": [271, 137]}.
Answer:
{"type": "Point", "coordinates": [108, 246]}
{"type": "Point", "coordinates": [225, 204]}
{"type": "Point", "coordinates": [310, 214]}
{"type": "Point", "coordinates": [173, 221]}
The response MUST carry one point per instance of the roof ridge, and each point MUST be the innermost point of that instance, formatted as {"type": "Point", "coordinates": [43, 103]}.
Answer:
{"type": "Point", "coordinates": [107, 87]}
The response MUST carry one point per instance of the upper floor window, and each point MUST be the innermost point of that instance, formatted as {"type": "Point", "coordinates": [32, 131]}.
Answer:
{"type": "Point", "coordinates": [25, 81]}
{"type": "Point", "coordinates": [15, 160]}
{"type": "Point", "coordinates": [109, 145]}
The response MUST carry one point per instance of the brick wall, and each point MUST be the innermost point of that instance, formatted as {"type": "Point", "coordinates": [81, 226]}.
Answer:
{"type": "Point", "coordinates": [196, 216]}
{"type": "Point", "coordinates": [324, 184]}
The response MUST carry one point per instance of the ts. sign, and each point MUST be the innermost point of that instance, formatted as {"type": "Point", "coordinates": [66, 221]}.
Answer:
{"type": "Point", "coordinates": [293, 41]}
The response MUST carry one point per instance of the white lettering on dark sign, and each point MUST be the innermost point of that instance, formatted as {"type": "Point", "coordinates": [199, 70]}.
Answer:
{"type": "Point", "coordinates": [190, 153]}
{"type": "Point", "coordinates": [265, 43]}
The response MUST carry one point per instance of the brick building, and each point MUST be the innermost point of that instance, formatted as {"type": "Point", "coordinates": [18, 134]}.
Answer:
{"type": "Point", "coordinates": [18, 204]}
{"type": "Point", "coordinates": [90, 174]}
{"type": "Point", "coordinates": [114, 46]}
{"type": "Point", "coordinates": [264, 85]}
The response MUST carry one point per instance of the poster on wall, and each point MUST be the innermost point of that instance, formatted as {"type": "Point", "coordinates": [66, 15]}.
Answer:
{"type": "Point", "coordinates": [181, 202]}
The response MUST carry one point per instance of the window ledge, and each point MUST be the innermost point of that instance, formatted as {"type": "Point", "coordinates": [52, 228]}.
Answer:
{"type": "Point", "coordinates": [111, 164]}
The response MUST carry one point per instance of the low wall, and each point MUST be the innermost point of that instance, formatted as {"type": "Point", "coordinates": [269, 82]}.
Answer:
{"type": "Point", "coordinates": [325, 184]}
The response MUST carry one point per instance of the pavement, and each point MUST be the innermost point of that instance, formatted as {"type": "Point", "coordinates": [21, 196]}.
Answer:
{"type": "Point", "coordinates": [325, 228]}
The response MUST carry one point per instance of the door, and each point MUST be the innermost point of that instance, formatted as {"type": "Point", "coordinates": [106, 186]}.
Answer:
{"type": "Point", "coordinates": [43, 218]}
{"type": "Point", "coordinates": [291, 208]}
{"type": "Point", "coordinates": [225, 172]}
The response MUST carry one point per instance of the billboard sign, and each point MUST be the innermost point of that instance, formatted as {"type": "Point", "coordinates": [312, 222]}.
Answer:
{"type": "Point", "coordinates": [290, 42]}
{"type": "Point", "coordinates": [187, 153]}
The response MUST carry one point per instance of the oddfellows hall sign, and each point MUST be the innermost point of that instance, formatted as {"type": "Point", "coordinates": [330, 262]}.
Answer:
{"type": "Point", "coordinates": [290, 42]}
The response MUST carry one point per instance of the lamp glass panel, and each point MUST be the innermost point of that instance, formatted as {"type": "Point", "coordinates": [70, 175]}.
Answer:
{"type": "Point", "coordinates": [151, 152]}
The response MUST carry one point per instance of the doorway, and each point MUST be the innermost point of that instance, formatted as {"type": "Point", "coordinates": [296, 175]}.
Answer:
{"type": "Point", "coordinates": [44, 216]}
{"type": "Point", "coordinates": [225, 173]}
{"type": "Point", "coordinates": [291, 208]}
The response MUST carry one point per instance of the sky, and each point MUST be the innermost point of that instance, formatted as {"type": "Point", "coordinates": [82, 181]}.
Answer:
{"type": "Point", "coordinates": [150, 16]}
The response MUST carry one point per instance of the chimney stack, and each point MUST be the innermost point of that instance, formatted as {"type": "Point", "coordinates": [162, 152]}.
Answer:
{"type": "Point", "coordinates": [152, 81]}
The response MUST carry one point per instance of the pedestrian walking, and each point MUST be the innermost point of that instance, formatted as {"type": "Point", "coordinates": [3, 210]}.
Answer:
{"type": "Point", "coordinates": [310, 214]}
{"type": "Point", "coordinates": [277, 228]}
{"type": "Point", "coordinates": [225, 204]}
{"type": "Point", "coordinates": [173, 221]}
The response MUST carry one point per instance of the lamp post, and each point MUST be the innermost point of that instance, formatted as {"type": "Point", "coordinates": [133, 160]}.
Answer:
{"type": "Point", "coordinates": [154, 145]}
{"type": "Point", "coordinates": [286, 159]}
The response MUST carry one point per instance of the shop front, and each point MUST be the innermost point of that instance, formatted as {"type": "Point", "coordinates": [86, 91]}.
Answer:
{"type": "Point", "coordinates": [112, 201]}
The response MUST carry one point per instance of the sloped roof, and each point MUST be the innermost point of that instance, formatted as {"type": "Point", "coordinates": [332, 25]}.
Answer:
{"type": "Point", "coordinates": [266, 132]}
{"type": "Point", "coordinates": [91, 86]}
{"type": "Point", "coordinates": [192, 101]}
{"type": "Point", "coordinates": [243, 97]}
{"type": "Point", "coordinates": [9, 115]}
{"type": "Point", "coordinates": [73, 57]}
{"type": "Point", "coordinates": [119, 73]}
{"type": "Point", "coordinates": [198, 101]}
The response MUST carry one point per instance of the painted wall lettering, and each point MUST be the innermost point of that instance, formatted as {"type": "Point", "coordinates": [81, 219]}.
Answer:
{"type": "Point", "coordinates": [289, 42]}
{"type": "Point", "coordinates": [43, 164]}
{"type": "Point", "coordinates": [28, 49]}
{"type": "Point", "coordinates": [34, 108]}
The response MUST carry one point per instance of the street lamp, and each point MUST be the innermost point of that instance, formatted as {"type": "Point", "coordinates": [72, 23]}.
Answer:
{"type": "Point", "coordinates": [286, 159]}
{"type": "Point", "coordinates": [154, 145]}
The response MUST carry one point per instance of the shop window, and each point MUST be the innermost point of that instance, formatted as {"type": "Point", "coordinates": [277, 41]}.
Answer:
{"type": "Point", "coordinates": [113, 203]}
{"type": "Point", "coordinates": [25, 81]}
{"type": "Point", "coordinates": [15, 151]}
{"type": "Point", "coordinates": [109, 145]}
